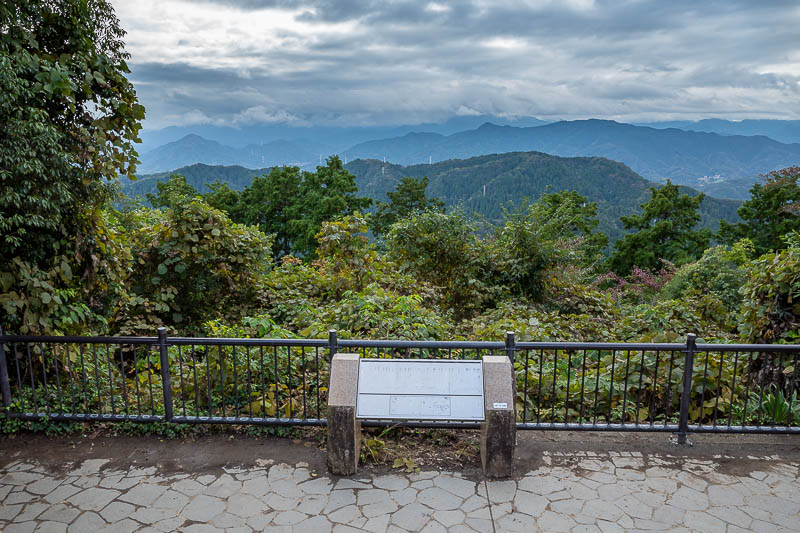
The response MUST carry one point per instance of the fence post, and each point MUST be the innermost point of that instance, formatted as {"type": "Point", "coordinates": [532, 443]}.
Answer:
{"type": "Point", "coordinates": [5, 386]}
{"type": "Point", "coordinates": [166, 381]}
{"type": "Point", "coordinates": [333, 343]}
{"type": "Point", "coordinates": [511, 345]}
{"type": "Point", "coordinates": [688, 374]}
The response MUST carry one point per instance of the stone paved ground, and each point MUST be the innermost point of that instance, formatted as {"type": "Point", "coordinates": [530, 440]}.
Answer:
{"type": "Point", "coordinates": [577, 491]}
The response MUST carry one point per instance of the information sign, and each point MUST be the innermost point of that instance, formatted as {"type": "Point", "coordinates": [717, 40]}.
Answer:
{"type": "Point", "coordinates": [420, 389]}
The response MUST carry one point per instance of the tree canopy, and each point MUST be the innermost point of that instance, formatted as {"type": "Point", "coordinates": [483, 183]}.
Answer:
{"type": "Point", "coordinates": [70, 117]}
{"type": "Point", "coordinates": [663, 230]}
{"type": "Point", "coordinates": [408, 197]}
{"type": "Point", "coordinates": [772, 211]}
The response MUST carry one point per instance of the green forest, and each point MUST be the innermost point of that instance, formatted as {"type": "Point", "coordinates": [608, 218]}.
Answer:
{"type": "Point", "coordinates": [295, 253]}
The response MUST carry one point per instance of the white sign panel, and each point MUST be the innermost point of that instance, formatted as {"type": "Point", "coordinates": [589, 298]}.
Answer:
{"type": "Point", "coordinates": [420, 389]}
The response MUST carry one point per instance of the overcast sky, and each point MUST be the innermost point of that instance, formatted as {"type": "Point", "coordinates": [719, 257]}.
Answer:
{"type": "Point", "coordinates": [235, 62]}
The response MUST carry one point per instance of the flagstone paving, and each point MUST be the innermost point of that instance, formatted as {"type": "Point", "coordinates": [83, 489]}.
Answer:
{"type": "Point", "coordinates": [571, 492]}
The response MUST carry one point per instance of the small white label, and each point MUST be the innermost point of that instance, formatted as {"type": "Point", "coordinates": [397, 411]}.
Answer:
{"type": "Point", "coordinates": [498, 405]}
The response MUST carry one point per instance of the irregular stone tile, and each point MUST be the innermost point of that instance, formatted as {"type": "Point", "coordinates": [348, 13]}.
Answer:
{"type": "Point", "coordinates": [116, 511]}
{"type": "Point", "coordinates": [19, 497]}
{"type": "Point", "coordinates": [460, 487]}
{"type": "Point", "coordinates": [124, 526]}
{"type": "Point", "coordinates": [392, 482]}
{"type": "Point", "coordinates": [8, 512]}
{"type": "Point", "coordinates": [668, 514]}
{"type": "Point", "coordinates": [223, 487]}
{"type": "Point", "coordinates": [51, 527]}
{"type": "Point", "coordinates": [690, 480]}
{"type": "Point", "coordinates": [609, 527]}
{"type": "Point", "coordinates": [501, 491]}
{"type": "Point", "coordinates": [424, 484]}
{"type": "Point", "coordinates": [704, 522]}
{"type": "Point", "coordinates": [288, 518]}
{"type": "Point", "coordinates": [339, 499]}
{"type": "Point", "coordinates": [366, 497]}
{"type": "Point", "coordinates": [258, 486]}
{"type": "Point", "coordinates": [529, 503]}
{"type": "Point", "coordinates": [567, 507]}
{"type": "Point", "coordinates": [245, 506]}
{"type": "Point", "coordinates": [200, 528]}
{"type": "Point", "coordinates": [313, 505]}
{"type": "Point", "coordinates": [380, 508]}
{"type": "Point", "coordinates": [61, 494]}
{"type": "Point", "coordinates": [203, 508]}
{"type": "Point", "coordinates": [86, 482]}
{"type": "Point", "coordinates": [280, 503]}
{"type": "Point", "coordinates": [689, 499]}
{"type": "Point", "coordinates": [540, 485]}
{"type": "Point", "coordinates": [88, 521]}
{"type": "Point", "coordinates": [439, 499]}
{"type": "Point", "coordinates": [89, 467]}
{"type": "Point", "coordinates": [434, 527]}
{"type": "Point", "coordinates": [60, 513]}
{"type": "Point", "coordinates": [31, 511]}
{"type": "Point", "coordinates": [143, 494]}
{"type": "Point", "coordinates": [43, 486]}
{"type": "Point", "coordinates": [358, 522]}
{"type": "Point", "coordinates": [340, 528]}
{"type": "Point", "coordinates": [473, 502]}
{"type": "Point", "coordinates": [20, 527]}
{"type": "Point", "coordinates": [149, 515]}
{"type": "Point", "coordinates": [773, 504]}
{"type": "Point", "coordinates": [412, 517]}
{"type": "Point", "coordinates": [171, 499]}
{"type": "Point", "coordinates": [189, 487]}
{"type": "Point", "coordinates": [555, 522]}
{"type": "Point", "coordinates": [121, 483]}
{"type": "Point", "coordinates": [279, 472]}
{"type": "Point", "coordinates": [405, 496]}
{"type": "Point", "coordinates": [480, 525]}
{"type": "Point", "coordinates": [345, 515]}
{"type": "Point", "coordinates": [20, 479]}
{"type": "Point", "coordinates": [206, 479]}
{"type": "Point", "coordinates": [517, 523]}
{"type": "Point", "coordinates": [346, 483]}
{"type": "Point", "coordinates": [260, 521]}
{"type": "Point", "coordinates": [316, 486]}
{"type": "Point", "coordinates": [378, 524]}
{"type": "Point", "coordinates": [481, 512]}
{"type": "Point", "coordinates": [227, 520]}
{"type": "Point", "coordinates": [586, 528]}
{"type": "Point", "coordinates": [141, 472]}
{"type": "Point", "coordinates": [315, 524]}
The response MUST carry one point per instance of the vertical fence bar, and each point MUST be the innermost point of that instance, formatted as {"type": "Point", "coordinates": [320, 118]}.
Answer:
{"type": "Point", "coordinates": [688, 371]}
{"type": "Point", "coordinates": [333, 344]}
{"type": "Point", "coordinates": [166, 384]}
{"type": "Point", "coordinates": [511, 346]}
{"type": "Point", "coordinates": [5, 386]}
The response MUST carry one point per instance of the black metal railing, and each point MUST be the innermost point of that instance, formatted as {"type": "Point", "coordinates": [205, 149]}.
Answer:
{"type": "Point", "coordinates": [560, 385]}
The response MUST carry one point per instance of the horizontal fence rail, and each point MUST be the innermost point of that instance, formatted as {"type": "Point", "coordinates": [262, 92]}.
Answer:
{"type": "Point", "coordinates": [678, 388]}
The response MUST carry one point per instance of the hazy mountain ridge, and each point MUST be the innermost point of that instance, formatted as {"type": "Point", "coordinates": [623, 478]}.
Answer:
{"type": "Point", "coordinates": [686, 157]}
{"type": "Point", "coordinates": [509, 179]}
{"type": "Point", "coordinates": [656, 154]}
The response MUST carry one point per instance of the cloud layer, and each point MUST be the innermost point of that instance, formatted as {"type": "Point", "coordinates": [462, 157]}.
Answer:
{"type": "Point", "coordinates": [350, 62]}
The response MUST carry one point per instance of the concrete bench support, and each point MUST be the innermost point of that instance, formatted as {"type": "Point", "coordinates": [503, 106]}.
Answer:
{"type": "Point", "coordinates": [344, 431]}
{"type": "Point", "coordinates": [499, 429]}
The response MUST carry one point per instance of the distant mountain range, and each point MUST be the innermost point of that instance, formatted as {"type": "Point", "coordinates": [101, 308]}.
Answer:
{"type": "Point", "coordinates": [724, 165]}
{"type": "Point", "coordinates": [484, 184]}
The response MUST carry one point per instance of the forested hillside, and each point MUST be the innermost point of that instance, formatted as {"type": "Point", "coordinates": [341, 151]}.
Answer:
{"type": "Point", "coordinates": [509, 180]}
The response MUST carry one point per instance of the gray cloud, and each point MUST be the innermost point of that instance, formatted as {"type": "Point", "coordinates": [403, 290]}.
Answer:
{"type": "Point", "coordinates": [379, 62]}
